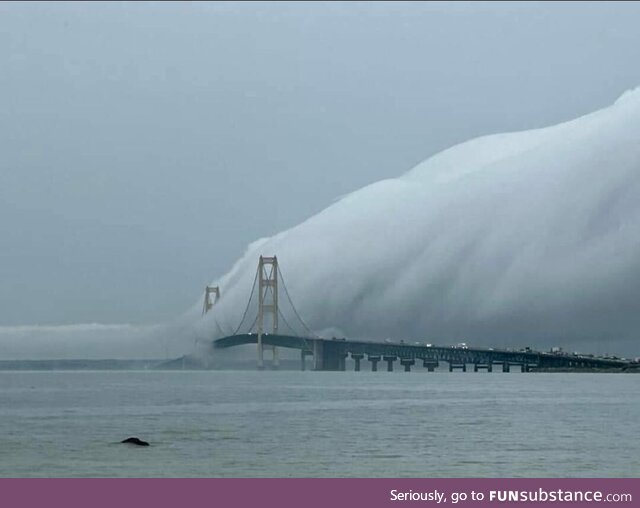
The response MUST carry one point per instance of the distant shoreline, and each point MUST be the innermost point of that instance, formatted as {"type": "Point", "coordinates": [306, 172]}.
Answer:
{"type": "Point", "coordinates": [78, 364]}
{"type": "Point", "coordinates": [183, 363]}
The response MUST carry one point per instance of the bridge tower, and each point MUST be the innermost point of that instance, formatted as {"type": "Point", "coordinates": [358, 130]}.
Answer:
{"type": "Point", "coordinates": [267, 305]}
{"type": "Point", "coordinates": [208, 304]}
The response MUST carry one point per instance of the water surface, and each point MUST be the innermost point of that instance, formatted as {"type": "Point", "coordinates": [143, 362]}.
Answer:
{"type": "Point", "coordinates": [313, 424]}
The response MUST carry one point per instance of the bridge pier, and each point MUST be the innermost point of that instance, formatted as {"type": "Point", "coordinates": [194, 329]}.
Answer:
{"type": "Point", "coordinates": [275, 361]}
{"type": "Point", "coordinates": [430, 365]}
{"type": "Point", "coordinates": [390, 360]}
{"type": "Point", "coordinates": [506, 367]}
{"type": "Point", "coordinates": [318, 355]}
{"type": "Point", "coordinates": [461, 366]}
{"type": "Point", "coordinates": [331, 355]}
{"type": "Point", "coordinates": [260, 356]}
{"type": "Point", "coordinates": [374, 362]}
{"type": "Point", "coordinates": [487, 366]}
{"type": "Point", "coordinates": [407, 363]}
{"type": "Point", "coordinates": [356, 358]}
{"type": "Point", "coordinates": [342, 361]}
{"type": "Point", "coordinates": [303, 358]}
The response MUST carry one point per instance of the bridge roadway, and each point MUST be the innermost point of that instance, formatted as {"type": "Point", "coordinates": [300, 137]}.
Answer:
{"type": "Point", "coordinates": [331, 354]}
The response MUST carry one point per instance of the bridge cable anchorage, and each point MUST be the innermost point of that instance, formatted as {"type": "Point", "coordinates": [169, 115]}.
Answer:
{"type": "Point", "coordinates": [284, 285]}
{"type": "Point", "coordinates": [253, 288]}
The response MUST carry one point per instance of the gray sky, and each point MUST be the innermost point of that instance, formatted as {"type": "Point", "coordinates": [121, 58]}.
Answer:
{"type": "Point", "coordinates": [143, 146]}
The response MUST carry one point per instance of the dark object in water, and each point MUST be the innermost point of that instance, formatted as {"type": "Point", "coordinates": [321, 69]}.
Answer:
{"type": "Point", "coordinates": [135, 441]}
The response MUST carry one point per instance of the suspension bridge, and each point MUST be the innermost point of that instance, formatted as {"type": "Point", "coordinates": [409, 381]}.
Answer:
{"type": "Point", "coordinates": [271, 330]}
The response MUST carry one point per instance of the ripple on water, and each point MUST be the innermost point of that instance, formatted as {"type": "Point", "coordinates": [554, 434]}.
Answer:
{"type": "Point", "coordinates": [319, 424]}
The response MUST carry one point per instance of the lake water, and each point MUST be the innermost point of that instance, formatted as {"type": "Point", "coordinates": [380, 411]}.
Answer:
{"type": "Point", "coordinates": [317, 424]}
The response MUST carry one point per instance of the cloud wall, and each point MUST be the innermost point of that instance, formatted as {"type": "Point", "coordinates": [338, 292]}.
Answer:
{"type": "Point", "coordinates": [527, 238]}
{"type": "Point", "coordinates": [510, 239]}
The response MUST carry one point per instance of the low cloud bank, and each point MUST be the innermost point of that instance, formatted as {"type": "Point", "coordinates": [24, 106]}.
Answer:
{"type": "Point", "coordinates": [527, 238]}
{"type": "Point", "coordinates": [93, 341]}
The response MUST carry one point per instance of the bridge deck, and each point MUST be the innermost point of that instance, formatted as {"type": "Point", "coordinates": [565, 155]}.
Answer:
{"type": "Point", "coordinates": [329, 354]}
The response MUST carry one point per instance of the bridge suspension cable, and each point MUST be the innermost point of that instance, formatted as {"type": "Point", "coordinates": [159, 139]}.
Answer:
{"type": "Point", "coordinates": [306, 342]}
{"type": "Point", "coordinates": [284, 319]}
{"type": "Point", "coordinates": [295, 311]}
{"type": "Point", "coordinates": [209, 303]}
{"type": "Point", "coordinates": [220, 329]}
{"type": "Point", "coordinates": [254, 323]}
{"type": "Point", "coordinates": [305, 328]}
{"type": "Point", "coordinates": [246, 310]}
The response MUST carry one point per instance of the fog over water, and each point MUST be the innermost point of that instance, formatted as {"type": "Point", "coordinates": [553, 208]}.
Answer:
{"type": "Point", "coordinates": [526, 238]}
{"type": "Point", "coordinates": [505, 240]}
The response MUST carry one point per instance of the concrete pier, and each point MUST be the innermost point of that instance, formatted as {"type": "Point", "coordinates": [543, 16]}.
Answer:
{"type": "Point", "coordinates": [356, 358]}
{"type": "Point", "coordinates": [303, 358]}
{"type": "Point", "coordinates": [506, 367]}
{"type": "Point", "coordinates": [479, 366]}
{"type": "Point", "coordinates": [461, 366]}
{"type": "Point", "coordinates": [430, 365]}
{"type": "Point", "coordinates": [329, 355]}
{"type": "Point", "coordinates": [389, 360]}
{"type": "Point", "coordinates": [374, 362]}
{"type": "Point", "coordinates": [318, 350]}
{"type": "Point", "coordinates": [407, 363]}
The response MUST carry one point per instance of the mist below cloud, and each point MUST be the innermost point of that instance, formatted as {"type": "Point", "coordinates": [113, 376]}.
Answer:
{"type": "Point", "coordinates": [94, 341]}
